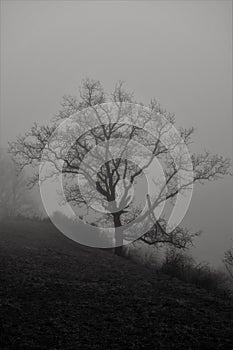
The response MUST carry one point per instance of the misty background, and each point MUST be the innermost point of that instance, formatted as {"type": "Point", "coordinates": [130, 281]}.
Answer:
{"type": "Point", "coordinates": [178, 52]}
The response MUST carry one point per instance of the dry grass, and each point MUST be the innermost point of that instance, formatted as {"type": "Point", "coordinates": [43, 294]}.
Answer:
{"type": "Point", "coordinates": [56, 294]}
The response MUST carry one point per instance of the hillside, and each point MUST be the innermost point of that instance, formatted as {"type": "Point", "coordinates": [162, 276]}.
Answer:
{"type": "Point", "coordinates": [56, 294]}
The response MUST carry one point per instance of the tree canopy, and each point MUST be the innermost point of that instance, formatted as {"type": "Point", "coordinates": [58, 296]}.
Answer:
{"type": "Point", "coordinates": [107, 154]}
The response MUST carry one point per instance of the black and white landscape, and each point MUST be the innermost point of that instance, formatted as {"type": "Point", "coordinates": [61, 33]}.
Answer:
{"type": "Point", "coordinates": [116, 175]}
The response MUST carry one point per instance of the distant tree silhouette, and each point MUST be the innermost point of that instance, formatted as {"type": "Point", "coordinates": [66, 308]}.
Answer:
{"type": "Point", "coordinates": [14, 196]}
{"type": "Point", "coordinates": [228, 261]}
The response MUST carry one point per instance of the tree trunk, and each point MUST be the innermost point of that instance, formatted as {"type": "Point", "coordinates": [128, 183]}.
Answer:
{"type": "Point", "coordinates": [118, 234]}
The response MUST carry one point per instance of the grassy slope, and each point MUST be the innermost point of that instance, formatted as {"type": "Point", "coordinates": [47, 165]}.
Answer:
{"type": "Point", "coordinates": [55, 294]}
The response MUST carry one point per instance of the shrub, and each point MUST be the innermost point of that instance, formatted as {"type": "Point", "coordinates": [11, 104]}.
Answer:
{"type": "Point", "coordinates": [179, 265]}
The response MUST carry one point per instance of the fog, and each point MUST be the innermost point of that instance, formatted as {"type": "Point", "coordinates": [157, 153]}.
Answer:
{"type": "Point", "coordinates": [179, 52]}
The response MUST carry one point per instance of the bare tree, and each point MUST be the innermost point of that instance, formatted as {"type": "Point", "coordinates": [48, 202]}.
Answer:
{"type": "Point", "coordinates": [112, 184]}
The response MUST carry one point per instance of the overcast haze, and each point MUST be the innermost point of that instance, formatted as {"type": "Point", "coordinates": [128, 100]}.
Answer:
{"type": "Point", "coordinates": [177, 51]}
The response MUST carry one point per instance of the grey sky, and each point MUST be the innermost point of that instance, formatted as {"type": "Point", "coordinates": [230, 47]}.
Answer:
{"type": "Point", "coordinates": [177, 51]}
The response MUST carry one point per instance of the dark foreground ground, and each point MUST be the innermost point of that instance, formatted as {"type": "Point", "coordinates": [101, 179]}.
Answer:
{"type": "Point", "coordinates": [55, 294]}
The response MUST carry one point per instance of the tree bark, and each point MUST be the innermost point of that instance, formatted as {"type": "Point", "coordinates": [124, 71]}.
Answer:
{"type": "Point", "coordinates": [118, 234]}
